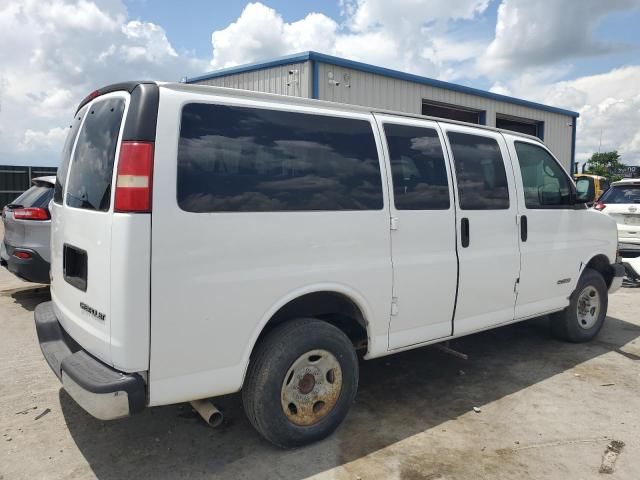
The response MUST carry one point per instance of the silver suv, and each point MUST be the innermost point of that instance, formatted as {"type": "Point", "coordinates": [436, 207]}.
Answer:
{"type": "Point", "coordinates": [27, 230]}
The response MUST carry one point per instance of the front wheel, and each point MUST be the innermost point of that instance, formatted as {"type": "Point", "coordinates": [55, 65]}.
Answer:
{"type": "Point", "coordinates": [583, 318]}
{"type": "Point", "coordinates": [301, 382]}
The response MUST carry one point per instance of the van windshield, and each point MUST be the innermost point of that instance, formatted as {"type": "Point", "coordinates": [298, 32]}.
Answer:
{"type": "Point", "coordinates": [89, 185]}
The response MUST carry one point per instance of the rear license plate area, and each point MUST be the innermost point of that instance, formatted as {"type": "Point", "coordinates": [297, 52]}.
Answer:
{"type": "Point", "coordinates": [632, 219]}
{"type": "Point", "coordinates": [74, 266]}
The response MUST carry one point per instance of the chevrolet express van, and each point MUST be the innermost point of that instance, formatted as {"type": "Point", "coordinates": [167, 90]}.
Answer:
{"type": "Point", "coordinates": [208, 241]}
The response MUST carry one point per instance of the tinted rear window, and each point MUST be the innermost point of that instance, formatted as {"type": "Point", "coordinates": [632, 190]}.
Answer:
{"type": "Point", "coordinates": [481, 176]}
{"type": "Point", "coordinates": [61, 176]}
{"type": "Point", "coordinates": [35, 197]}
{"type": "Point", "coordinates": [235, 159]}
{"type": "Point", "coordinates": [622, 194]}
{"type": "Point", "coordinates": [89, 184]}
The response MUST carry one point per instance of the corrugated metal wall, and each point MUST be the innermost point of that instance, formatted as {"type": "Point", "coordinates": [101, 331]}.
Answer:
{"type": "Point", "coordinates": [292, 79]}
{"type": "Point", "coordinates": [15, 180]}
{"type": "Point", "coordinates": [377, 91]}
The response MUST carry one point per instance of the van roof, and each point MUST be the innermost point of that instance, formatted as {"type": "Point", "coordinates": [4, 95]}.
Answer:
{"type": "Point", "coordinates": [235, 92]}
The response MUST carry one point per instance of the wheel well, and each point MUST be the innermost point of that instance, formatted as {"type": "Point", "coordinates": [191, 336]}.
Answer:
{"type": "Point", "coordinates": [601, 264]}
{"type": "Point", "coordinates": [332, 307]}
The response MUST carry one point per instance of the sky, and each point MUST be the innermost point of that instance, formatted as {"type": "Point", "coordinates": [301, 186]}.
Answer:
{"type": "Point", "coordinates": [582, 55]}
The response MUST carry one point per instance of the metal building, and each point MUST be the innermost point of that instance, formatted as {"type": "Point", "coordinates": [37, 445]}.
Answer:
{"type": "Point", "coordinates": [325, 77]}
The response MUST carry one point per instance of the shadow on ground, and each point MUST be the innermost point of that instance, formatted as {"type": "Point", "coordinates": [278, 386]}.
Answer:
{"type": "Point", "coordinates": [29, 299]}
{"type": "Point", "coordinates": [399, 396]}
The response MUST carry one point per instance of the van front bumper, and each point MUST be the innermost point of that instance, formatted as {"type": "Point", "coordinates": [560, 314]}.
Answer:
{"type": "Point", "coordinates": [99, 389]}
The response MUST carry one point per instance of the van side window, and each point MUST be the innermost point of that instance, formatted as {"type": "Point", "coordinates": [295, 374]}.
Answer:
{"type": "Point", "coordinates": [237, 159]}
{"type": "Point", "coordinates": [418, 168]}
{"type": "Point", "coordinates": [545, 184]}
{"type": "Point", "coordinates": [480, 172]}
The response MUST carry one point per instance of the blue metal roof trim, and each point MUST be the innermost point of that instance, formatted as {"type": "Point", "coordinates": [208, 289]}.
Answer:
{"type": "Point", "coordinates": [387, 72]}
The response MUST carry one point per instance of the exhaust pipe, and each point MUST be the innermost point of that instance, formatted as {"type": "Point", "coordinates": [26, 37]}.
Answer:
{"type": "Point", "coordinates": [208, 412]}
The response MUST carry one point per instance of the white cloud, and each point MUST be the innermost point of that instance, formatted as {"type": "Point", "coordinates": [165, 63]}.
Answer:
{"type": "Point", "coordinates": [403, 34]}
{"type": "Point", "coordinates": [609, 107]}
{"type": "Point", "coordinates": [38, 140]}
{"type": "Point", "coordinates": [53, 52]}
{"type": "Point", "coordinates": [536, 32]}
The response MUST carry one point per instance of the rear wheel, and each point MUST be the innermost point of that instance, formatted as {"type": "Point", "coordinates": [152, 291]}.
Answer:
{"type": "Point", "coordinates": [583, 318]}
{"type": "Point", "coordinates": [301, 382]}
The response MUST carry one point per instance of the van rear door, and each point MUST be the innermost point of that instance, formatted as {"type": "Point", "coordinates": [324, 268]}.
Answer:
{"type": "Point", "coordinates": [100, 260]}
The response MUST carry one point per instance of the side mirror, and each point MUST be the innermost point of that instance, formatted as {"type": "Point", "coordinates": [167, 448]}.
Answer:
{"type": "Point", "coordinates": [585, 191]}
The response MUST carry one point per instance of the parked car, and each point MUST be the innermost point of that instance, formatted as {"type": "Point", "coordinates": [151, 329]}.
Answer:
{"type": "Point", "coordinates": [208, 240]}
{"type": "Point", "coordinates": [622, 203]}
{"type": "Point", "coordinates": [27, 227]}
{"type": "Point", "coordinates": [594, 185]}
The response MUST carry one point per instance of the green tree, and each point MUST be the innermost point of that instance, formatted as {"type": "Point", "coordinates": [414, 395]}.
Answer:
{"type": "Point", "coordinates": [606, 164]}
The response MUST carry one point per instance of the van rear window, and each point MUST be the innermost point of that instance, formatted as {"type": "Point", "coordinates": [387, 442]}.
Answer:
{"type": "Point", "coordinates": [89, 184]}
{"type": "Point", "coordinates": [61, 176]}
{"type": "Point", "coordinates": [236, 159]}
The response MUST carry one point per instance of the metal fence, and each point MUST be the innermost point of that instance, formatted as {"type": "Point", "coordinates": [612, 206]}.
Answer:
{"type": "Point", "coordinates": [14, 180]}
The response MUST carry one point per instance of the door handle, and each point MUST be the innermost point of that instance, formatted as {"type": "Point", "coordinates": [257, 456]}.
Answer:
{"type": "Point", "coordinates": [464, 232]}
{"type": "Point", "coordinates": [523, 228]}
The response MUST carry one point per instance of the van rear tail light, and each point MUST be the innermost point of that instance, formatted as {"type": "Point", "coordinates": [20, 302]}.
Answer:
{"type": "Point", "coordinates": [134, 181]}
{"type": "Point", "coordinates": [31, 213]}
{"type": "Point", "coordinates": [599, 206]}
{"type": "Point", "coordinates": [22, 255]}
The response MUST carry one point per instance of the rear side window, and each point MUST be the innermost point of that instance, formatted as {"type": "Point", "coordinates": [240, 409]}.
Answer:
{"type": "Point", "coordinates": [89, 184]}
{"type": "Point", "coordinates": [418, 168]}
{"type": "Point", "coordinates": [544, 182]}
{"type": "Point", "coordinates": [36, 196]}
{"type": "Point", "coordinates": [236, 159]}
{"type": "Point", "coordinates": [61, 176]}
{"type": "Point", "coordinates": [480, 172]}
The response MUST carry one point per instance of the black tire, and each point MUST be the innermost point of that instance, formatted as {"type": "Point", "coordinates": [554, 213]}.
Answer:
{"type": "Point", "coordinates": [271, 362]}
{"type": "Point", "coordinates": [566, 324]}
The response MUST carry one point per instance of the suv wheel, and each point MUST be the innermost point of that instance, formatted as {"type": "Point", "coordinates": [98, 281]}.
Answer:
{"type": "Point", "coordinates": [301, 382]}
{"type": "Point", "coordinates": [583, 318]}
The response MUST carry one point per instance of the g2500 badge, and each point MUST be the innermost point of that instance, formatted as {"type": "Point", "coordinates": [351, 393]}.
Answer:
{"type": "Point", "coordinates": [92, 311]}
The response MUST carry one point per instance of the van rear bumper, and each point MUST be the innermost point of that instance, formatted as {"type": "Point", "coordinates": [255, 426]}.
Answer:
{"type": "Point", "coordinates": [99, 389]}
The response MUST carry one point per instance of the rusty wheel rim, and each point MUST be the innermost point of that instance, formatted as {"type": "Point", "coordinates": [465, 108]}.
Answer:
{"type": "Point", "coordinates": [311, 387]}
{"type": "Point", "coordinates": [588, 307]}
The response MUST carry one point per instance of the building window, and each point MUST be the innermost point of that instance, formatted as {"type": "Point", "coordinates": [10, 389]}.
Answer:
{"type": "Point", "coordinates": [452, 112]}
{"type": "Point", "coordinates": [534, 128]}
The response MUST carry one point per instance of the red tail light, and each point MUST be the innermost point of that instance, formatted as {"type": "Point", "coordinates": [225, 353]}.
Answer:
{"type": "Point", "coordinates": [22, 255]}
{"type": "Point", "coordinates": [599, 206]}
{"type": "Point", "coordinates": [135, 177]}
{"type": "Point", "coordinates": [31, 214]}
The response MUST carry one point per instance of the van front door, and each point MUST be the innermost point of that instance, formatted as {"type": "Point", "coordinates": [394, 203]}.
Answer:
{"type": "Point", "coordinates": [551, 245]}
{"type": "Point", "coordinates": [422, 232]}
{"type": "Point", "coordinates": [487, 234]}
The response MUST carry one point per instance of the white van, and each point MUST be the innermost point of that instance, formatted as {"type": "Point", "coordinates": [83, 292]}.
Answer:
{"type": "Point", "coordinates": [209, 240]}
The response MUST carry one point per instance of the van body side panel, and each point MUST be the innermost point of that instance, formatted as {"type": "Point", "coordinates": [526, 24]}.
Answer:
{"type": "Point", "coordinates": [217, 277]}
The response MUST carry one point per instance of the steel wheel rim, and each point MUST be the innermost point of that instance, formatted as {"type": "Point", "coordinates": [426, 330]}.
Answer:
{"type": "Point", "coordinates": [311, 387]}
{"type": "Point", "coordinates": [589, 306]}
